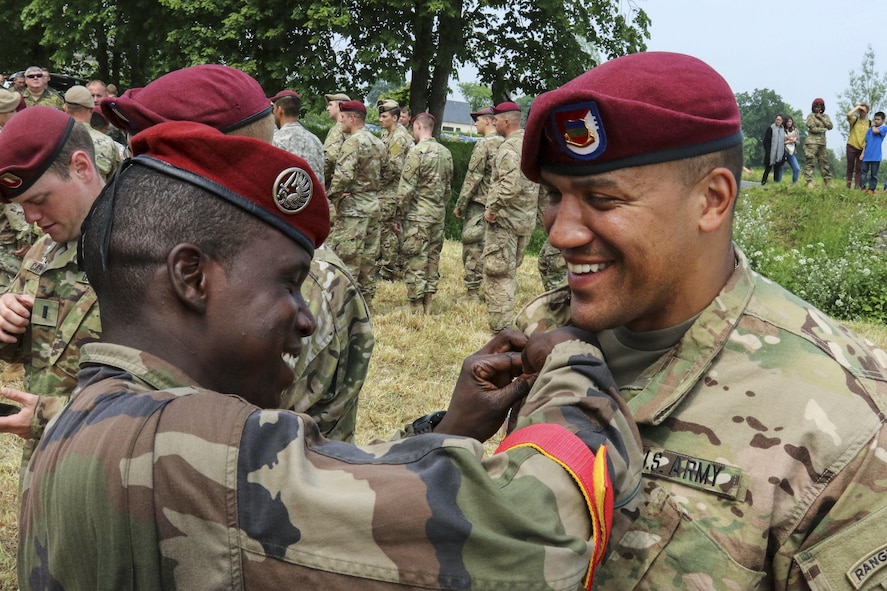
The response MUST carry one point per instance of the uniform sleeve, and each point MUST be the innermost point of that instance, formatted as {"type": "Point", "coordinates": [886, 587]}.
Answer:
{"type": "Point", "coordinates": [508, 183]}
{"type": "Point", "coordinates": [409, 179]}
{"type": "Point", "coordinates": [474, 175]}
{"type": "Point", "coordinates": [344, 174]}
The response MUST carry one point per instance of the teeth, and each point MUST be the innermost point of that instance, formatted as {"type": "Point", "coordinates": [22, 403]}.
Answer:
{"type": "Point", "coordinates": [580, 269]}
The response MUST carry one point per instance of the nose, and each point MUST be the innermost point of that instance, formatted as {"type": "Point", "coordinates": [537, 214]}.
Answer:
{"type": "Point", "coordinates": [32, 214]}
{"type": "Point", "coordinates": [566, 224]}
{"type": "Point", "coordinates": [306, 324]}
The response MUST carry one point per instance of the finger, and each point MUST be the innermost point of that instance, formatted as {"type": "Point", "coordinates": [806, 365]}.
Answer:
{"type": "Point", "coordinates": [507, 340]}
{"type": "Point", "coordinates": [24, 398]}
{"type": "Point", "coordinates": [497, 369]}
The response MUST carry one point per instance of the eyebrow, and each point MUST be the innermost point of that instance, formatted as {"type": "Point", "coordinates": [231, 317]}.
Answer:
{"type": "Point", "coordinates": [584, 182]}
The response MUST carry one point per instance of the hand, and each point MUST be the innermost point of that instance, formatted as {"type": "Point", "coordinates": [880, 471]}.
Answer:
{"type": "Point", "coordinates": [457, 213]}
{"type": "Point", "coordinates": [15, 315]}
{"type": "Point", "coordinates": [489, 384]}
{"type": "Point", "coordinates": [490, 217]}
{"type": "Point", "coordinates": [22, 251]}
{"type": "Point", "coordinates": [396, 228]}
{"type": "Point", "coordinates": [20, 422]}
{"type": "Point", "coordinates": [540, 345]}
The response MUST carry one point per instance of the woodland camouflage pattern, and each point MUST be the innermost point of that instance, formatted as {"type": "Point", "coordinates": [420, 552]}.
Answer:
{"type": "Point", "coordinates": [335, 359]}
{"type": "Point", "coordinates": [107, 157]}
{"type": "Point", "coordinates": [425, 187]}
{"type": "Point", "coordinates": [65, 316]}
{"type": "Point", "coordinates": [788, 408]}
{"type": "Point", "coordinates": [514, 199]}
{"type": "Point", "coordinates": [294, 138]}
{"type": "Point", "coordinates": [472, 202]}
{"type": "Point", "coordinates": [15, 233]}
{"type": "Point", "coordinates": [397, 145]}
{"type": "Point", "coordinates": [250, 499]}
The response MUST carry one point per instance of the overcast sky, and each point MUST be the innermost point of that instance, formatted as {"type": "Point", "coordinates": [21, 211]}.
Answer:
{"type": "Point", "coordinates": [799, 49]}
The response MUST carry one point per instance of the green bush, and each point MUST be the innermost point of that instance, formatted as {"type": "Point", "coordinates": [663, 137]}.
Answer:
{"type": "Point", "coordinates": [821, 244]}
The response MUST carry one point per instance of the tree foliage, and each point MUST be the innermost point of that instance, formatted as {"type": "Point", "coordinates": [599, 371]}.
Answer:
{"type": "Point", "coordinates": [757, 111]}
{"type": "Point", "coordinates": [477, 95]}
{"type": "Point", "coordinates": [317, 46]}
{"type": "Point", "coordinates": [866, 86]}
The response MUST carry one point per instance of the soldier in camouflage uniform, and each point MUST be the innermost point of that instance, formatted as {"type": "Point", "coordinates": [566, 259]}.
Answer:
{"type": "Point", "coordinates": [472, 201]}
{"type": "Point", "coordinates": [398, 143]}
{"type": "Point", "coordinates": [15, 234]}
{"type": "Point", "coordinates": [762, 419]}
{"type": "Point", "coordinates": [551, 263]}
{"type": "Point", "coordinates": [510, 217]}
{"type": "Point", "coordinates": [79, 104]}
{"type": "Point", "coordinates": [292, 135]}
{"type": "Point", "coordinates": [814, 146]}
{"type": "Point", "coordinates": [38, 91]}
{"type": "Point", "coordinates": [251, 498]}
{"type": "Point", "coordinates": [50, 310]}
{"type": "Point", "coordinates": [422, 196]}
{"type": "Point", "coordinates": [335, 137]}
{"type": "Point", "coordinates": [354, 195]}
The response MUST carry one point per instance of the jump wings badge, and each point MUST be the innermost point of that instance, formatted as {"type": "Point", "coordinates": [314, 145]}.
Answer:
{"type": "Point", "coordinates": [292, 190]}
{"type": "Point", "coordinates": [578, 130]}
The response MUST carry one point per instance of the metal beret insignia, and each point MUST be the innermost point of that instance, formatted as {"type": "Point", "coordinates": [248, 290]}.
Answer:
{"type": "Point", "coordinates": [292, 190]}
{"type": "Point", "coordinates": [578, 130]}
{"type": "Point", "coordinates": [10, 180]}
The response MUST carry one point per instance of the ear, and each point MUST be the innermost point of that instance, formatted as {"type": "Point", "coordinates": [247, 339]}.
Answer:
{"type": "Point", "coordinates": [187, 269]}
{"type": "Point", "coordinates": [82, 166]}
{"type": "Point", "coordinates": [719, 192]}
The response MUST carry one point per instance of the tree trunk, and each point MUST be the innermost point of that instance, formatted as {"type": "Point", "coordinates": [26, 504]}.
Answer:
{"type": "Point", "coordinates": [450, 39]}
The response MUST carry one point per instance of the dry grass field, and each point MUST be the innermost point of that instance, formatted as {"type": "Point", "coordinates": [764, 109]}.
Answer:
{"type": "Point", "coordinates": [414, 366]}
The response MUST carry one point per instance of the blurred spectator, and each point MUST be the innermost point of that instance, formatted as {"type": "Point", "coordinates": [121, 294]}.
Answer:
{"type": "Point", "coordinates": [38, 91]}
{"type": "Point", "coordinates": [774, 150]}
{"type": "Point", "coordinates": [111, 89]}
{"type": "Point", "coordinates": [858, 117]}
{"type": "Point", "coordinates": [97, 89]}
{"type": "Point", "coordinates": [18, 82]}
{"type": "Point", "coordinates": [791, 146]}
{"type": "Point", "coordinates": [80, 106]}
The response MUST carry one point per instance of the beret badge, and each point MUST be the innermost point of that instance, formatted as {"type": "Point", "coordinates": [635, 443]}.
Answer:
{"type": "Point", "coordinates": [10, 180]}
{"type": "Point", "coordinates": [578, 130]}
{"type": "Point", "coordinates": [292, 190]}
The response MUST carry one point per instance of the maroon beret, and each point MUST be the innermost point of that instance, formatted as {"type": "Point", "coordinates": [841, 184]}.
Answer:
{"type": "Point", "coordinates": [506, 108]}
{"type": "Point", "coordinates": [485, 112]}
{"type": "Point", "coordinates": [635, 110]}
{"type": "Point", "coordinates": [274, 185]}
{"type": "Point", "coordinates": [284, 93]}
{"type": "Point", "coordinates": [352, 106]}
{"type": "Point", "coordinates": [29, 145]}
{"type": "Point", "coordinates": [22, 105]}
{"type": "Point", "coordinates": [220, 96]}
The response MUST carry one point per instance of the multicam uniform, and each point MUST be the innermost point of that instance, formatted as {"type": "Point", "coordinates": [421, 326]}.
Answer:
{"type": "Point", "coordinates": [766, 450]}
{"type": "Point", "coordinates": [551, 263]}
{"type": "Point", "coordinates": [49, 98]}
{"type": "Point", "coordinates": [294, 138]}
{"type": "Point", "coordinates": [335, 359]}
{"type": "Point", "coordinates": [65, 317]}
{"type": "Point", "coordinates": [252, 499]}
{"type": "Point", "coordinates": [814, 147]}
{"type": "Point", "coordinates": [354, 194]}
{"type": "Point", "coordinates": [422, 197]}
{"type": "Point", "coordinates": [15, 233]}
{"type": "Point", "coordinates": [331, 147]}
{"type": "Point", "coordinates": [513, 198]}
{"type": "Point", "coordinates": [398, 144]}
{"type": "Point", "coordinates": [472, 202]}
{"type": "Point", "coordinates": [107, 155]}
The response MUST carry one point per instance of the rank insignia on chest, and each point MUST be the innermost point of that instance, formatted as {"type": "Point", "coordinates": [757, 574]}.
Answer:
{"type": "Point", "coordinates": [578, 130]}
{"type": "Point", "coordinates": [707, 475]}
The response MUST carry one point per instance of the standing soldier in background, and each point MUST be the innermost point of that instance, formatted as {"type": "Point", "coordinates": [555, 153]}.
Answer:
{"type": "Point", "coordinates": [422, 196]}
{"type": "Point", "coordinates": [510, 216]}
{"type": "Point", "coordinates": [80, 105]}
{"type": "Point", "coordinates": [398, 144]}
{"type": "Point", "coordinates": [335, 137]}
{"type": "Point", "coordinates": [551, 264]}
{"type": "Point", "coordinates": [37, 91]}
{"type": "Point", "coordinates": [473, 201]}
{"type": "Point", "coordinates": [16, 234]}
{"type": "Point", "coordinates": [354, 196]}
{"type": "Point", "coordinates": [814, 146]}
{"type": "Point", "coordinates": [292, 135]}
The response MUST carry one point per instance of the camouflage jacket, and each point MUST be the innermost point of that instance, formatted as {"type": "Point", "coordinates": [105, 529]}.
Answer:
{"type": "Point", "coordinates": [15, 232]}
{"type": "Point", "coordinates": [128, 491]}
{"type": "Point", "coordinates": [331, 146]}
{"type": "Point", "coordinates": [356, 180]}
{"type": "Point", "coordinates": [49, 98]}
{"type": "Point", "coordinates": [335, 359]}
{"type": "Point", "coordinates": [816, 129]}
{"type": "Point", "coordinates": [294, 138]}
{"type": "Point", "coordinates": [766, 451]}
{"type": "Point", "coordinates": [512, 197]}
{"type": "Point", "coordinates": [397, 145]}
{"type": "Point", "coordinates": [65, 317]}
{"type": "Point", "coordinates": [425, 184]}
{"type": "Point", "coordinates": [107, 155]}
{"type": "Point", "coordinates": [476, 185]}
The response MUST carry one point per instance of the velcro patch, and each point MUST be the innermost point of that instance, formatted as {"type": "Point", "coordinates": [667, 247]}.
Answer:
{"type": "Point", "coordinates": [698, 473]}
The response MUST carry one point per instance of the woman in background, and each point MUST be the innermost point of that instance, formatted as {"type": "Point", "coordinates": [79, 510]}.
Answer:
{"type": "Point", "coordinates": [791, 145]}
{"type": "Point", "coordinates": [774, 150]}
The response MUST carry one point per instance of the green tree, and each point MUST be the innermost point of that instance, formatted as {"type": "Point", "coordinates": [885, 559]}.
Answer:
{"type": "Point", "coordinates": [866, 86]}
{"type": "Point", "coordinates": [757, 111]}
{"type": "Point", "coordinates": [477, 95]}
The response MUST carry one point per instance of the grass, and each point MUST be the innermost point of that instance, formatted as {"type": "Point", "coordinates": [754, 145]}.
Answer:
{"type": "Point", "coordinates": [413, 369]}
